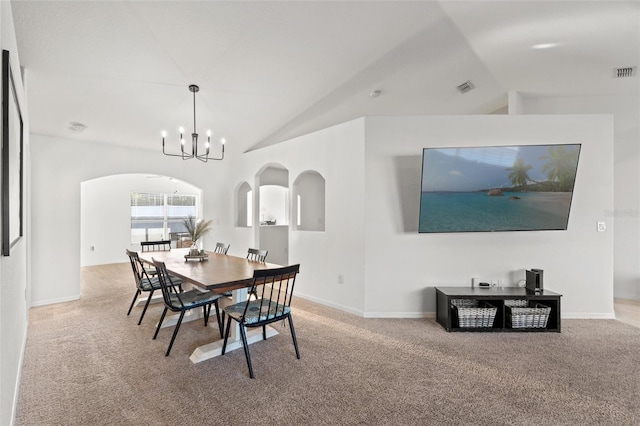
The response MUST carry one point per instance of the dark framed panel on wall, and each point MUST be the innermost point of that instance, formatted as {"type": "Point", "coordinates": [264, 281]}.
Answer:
{"type": "Point", "coordinates": [12, 159]}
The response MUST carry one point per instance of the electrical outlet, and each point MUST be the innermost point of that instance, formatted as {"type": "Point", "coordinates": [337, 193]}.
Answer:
{"type": "Point", "coordinates": [602, 226]}
{"type": "Point", "coordinates": [340, 279]}
{"type": "Point", "coordinates": [494, 282]}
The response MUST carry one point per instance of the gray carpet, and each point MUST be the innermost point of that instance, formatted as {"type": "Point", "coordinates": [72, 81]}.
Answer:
{"type": "Point", "coordinates": [87, 363]}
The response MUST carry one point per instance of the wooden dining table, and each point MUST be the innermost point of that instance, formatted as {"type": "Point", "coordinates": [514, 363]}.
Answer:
{"type": "Point", "coordinates": [219, 273]}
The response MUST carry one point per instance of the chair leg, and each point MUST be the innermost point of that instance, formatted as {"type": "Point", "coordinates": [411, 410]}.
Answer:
{"type": "Point", "coordinates": [135, 297]}
{"type": "Point", "coordinates": [175, 332]}
{"type": "Point", "coordinates": [206, 309]}
{"type": "Point", "coordinates": [160, 322]}
{"type": "Point", "coordinates": [293, 335]}
{"type": "Point", "coordinates": [226, 336]}
{"type": "Point", "coordinates": [243, 334]}
{"type": "Point", "coordinates": [220, 323]}
{"type": "Point", "coordinates": [146, 305]}
{"type": "Point", "coordinates": [264, 332]}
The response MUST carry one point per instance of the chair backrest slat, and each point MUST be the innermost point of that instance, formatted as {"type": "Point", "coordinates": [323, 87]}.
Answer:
{"type": "Point", "coordinates": [257, 255]}
{"type": "Point", "coordinates": [221, 248]}
{"type": "Point", "coordinates": [274, 289]}
{"type": "Point", "coordinates": [167, 285]}
{"type": "Point", "coordinates": [139, 272]}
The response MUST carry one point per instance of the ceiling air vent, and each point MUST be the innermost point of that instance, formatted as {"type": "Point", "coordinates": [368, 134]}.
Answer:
{"type": "Point", "coordinates": [624, 72]}
{"type": "Point", "coordinates": [466, 86]}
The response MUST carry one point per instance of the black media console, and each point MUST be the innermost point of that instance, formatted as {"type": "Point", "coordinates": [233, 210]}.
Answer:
{"type": "Point", "coordinates": [447, 313]}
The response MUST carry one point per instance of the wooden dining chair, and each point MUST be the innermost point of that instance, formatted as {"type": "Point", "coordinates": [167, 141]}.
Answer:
{"type": "Point", "coordinates": [183, 302]}
{"type": "Point", "coordinates": [274, 288]}
{"type": "Point", "coordinates": [221, 248]}
{"type": "Point", "coordinates": [144, 282]}
{"type": "Point", "coordinates": [257, 255]}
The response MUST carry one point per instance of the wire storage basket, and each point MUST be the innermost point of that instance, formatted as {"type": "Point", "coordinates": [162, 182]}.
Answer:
{"type": "Point", "coordinates": [465, 303]}
{"type": "Point", "coordinates": [535, 316]}
{"type": "Point", "coordinates": [516, 303]}
{"type": "Point", "coordinates": [483, 314]}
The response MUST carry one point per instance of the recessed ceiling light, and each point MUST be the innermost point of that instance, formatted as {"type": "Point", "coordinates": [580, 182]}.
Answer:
{"type": "Point", "coordinates": [544, 45]}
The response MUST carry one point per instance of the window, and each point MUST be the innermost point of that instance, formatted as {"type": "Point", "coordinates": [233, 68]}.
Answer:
{"type": "Point", "coordinates": [155, 216]}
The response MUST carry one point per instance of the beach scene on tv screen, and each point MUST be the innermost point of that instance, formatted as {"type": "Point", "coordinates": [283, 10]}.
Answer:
{"type": "Point", "coordinates": [500, 188]}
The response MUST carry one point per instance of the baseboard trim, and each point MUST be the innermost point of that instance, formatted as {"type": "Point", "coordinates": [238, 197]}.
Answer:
{"type": "Point", "coordinates": [588, 315]}
{"type": "Point", "coordinates": [400, 315]}
{"type": "Point", "coordinates": [16, 391]}
{"type": "Point", "coordinates": [52, 301]}
{"type": "Point", "coordinates": [367, 314]}
{"type": "Point", "coordinates": [330, 304]}
{"type": "Point", "coordinates": [432, 315]}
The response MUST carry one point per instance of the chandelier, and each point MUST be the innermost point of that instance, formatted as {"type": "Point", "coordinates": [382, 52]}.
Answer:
{"type": "Point", "coordinates": [187, 154]}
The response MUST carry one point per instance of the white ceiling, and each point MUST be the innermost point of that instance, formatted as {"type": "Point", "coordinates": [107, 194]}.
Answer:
{"type": "Point", "coordinates": [271, 70]}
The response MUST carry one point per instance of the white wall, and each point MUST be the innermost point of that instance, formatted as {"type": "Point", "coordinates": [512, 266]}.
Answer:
{"type": "Point", "coordinates": [59, 166]}
{"type": "Point", "coordinates": [14, 270]}
{"type": "Point", "coordinates": [401, 264]}
{"type": "Point", "coordinates": [105, 213]}
{"type": "Point", "coordinates": [371, 237]}
{"type": "Point", "coordinates": [337, 153]}
{"type": "Point", "coordinates": [626, 209]}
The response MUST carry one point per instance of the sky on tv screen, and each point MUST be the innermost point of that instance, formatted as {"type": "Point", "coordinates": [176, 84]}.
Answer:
{"type": "Point", "coordinates": [478, 168]}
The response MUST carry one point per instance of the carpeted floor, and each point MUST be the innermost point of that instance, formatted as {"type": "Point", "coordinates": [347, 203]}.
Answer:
{"type": "Point", "coordinates": [87, 363]}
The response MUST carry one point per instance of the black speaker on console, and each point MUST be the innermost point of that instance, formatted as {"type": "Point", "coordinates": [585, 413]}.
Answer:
{"type": "Point", "coordinates": [534, 280]}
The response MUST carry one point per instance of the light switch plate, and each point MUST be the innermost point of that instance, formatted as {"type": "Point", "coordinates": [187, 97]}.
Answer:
{"type": "Point", "coordinates": [602, 226]}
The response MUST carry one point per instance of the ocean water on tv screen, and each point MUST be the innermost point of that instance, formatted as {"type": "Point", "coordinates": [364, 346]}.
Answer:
{"type": "Point", "coordinates": [479, 212]}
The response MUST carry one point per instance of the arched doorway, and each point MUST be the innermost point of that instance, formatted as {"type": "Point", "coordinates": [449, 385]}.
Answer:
{"type": "Point", "coordinates": [272, 212]}
{"type": "Point", "coordinates": [107, 222]}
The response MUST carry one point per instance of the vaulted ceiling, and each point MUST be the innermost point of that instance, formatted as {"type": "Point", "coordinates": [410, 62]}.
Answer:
{"type": "Point", "coordinates": [271, 70]}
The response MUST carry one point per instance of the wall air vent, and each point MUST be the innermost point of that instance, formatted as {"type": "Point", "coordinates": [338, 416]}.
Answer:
{"type": "Point", "coordinates": [624, 72]}
{"type": "Point", "coordinates": [466, 86]}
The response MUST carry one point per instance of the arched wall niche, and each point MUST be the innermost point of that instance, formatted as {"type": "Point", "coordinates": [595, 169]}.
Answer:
{"type": "Point", "coordinates": [244, 205]}
{"type": "Point", "coordinates": [273, 195]}
{"type": "Point", "coordinates": [308, 202]}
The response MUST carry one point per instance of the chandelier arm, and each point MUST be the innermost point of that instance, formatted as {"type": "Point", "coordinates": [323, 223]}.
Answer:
{"type": "Point", "coordinates": [183, 155]}
{"type": "Point", "coordinates": [206, 157]}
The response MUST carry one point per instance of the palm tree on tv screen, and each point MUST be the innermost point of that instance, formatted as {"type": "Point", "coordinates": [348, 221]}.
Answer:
{"type": "Point", "coordinates": [519, 172]}
{"type": "Point", "coordinates": [561, 167]}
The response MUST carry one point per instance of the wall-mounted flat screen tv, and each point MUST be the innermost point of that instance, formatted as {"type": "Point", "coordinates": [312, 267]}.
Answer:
{"type": "Point", "coordinates": [497, 188]}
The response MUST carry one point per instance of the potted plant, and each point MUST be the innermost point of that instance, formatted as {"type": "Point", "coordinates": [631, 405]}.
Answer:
{"type": "Point", "coordinates": [196, 229]}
